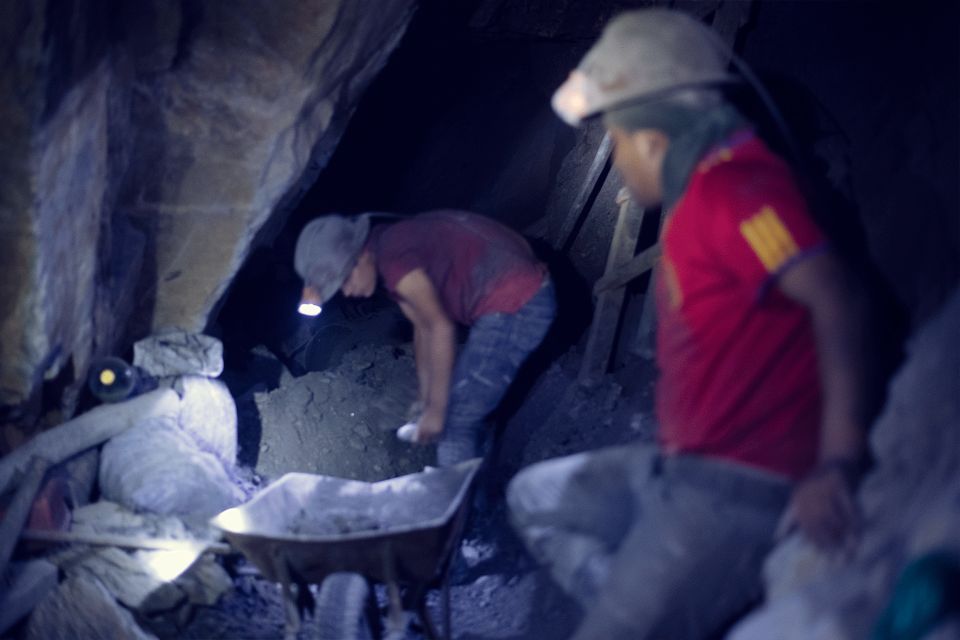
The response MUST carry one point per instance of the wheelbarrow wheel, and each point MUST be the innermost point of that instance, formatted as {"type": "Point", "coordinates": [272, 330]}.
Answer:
{"type": "Point", "coordinates": [341, 607]}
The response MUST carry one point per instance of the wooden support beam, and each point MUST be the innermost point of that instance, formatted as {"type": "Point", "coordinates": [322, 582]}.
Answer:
{"type": "Point", "coordinates": [606, 315]}
{"type": "Point", "coordinates": [578, 209]}
{"type": "Point", "coordinates": [638, 265]}
{"type": "Point", "coordinates": [126, 542]}
{"type": "Point", "coordinates": [729, 16]}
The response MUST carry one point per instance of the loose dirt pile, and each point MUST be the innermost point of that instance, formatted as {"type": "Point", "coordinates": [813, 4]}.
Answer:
{"type": "Point", "coordinates": [342, 422]}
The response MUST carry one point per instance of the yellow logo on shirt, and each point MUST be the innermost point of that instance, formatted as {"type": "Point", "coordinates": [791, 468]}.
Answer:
{"type": "Point", "coordinates": [718, 157]}
{"type": "Point", "coordinates": [769, 238]}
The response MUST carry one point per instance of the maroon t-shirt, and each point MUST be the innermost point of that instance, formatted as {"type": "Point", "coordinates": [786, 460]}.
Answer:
{"type": "Point", "coordinates": [739, 375]}
{"type": "Point", "coordinates": [477, 265]}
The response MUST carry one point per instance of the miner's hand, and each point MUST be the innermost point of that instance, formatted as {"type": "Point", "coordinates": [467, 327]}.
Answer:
{"type": "Point", "coordinates": [823, 508]}
{"type": "Point", "coordinates": [429, 427]}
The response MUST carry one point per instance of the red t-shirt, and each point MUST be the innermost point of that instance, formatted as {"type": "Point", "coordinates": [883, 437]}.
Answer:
{"type": "Point", "coordinates": [477, 265]}
{"type": "Point", "coordinates": [737, 358]}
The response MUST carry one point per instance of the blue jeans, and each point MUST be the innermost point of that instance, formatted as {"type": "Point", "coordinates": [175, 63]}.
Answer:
{"type": "Point", "coordinates": [496, 347]}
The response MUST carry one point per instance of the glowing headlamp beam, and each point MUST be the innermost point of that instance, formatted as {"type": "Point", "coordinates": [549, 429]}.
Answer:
{"type": "Point", "coordinates": [166, 559]}
{"type": "Point", "coordinates": [309, 309]}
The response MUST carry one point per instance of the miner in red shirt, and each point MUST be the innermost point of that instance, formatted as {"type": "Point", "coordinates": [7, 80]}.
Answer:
{"type": "Point", "coordinates": [760, 396]}
{"type": "Point", "coordinates": [443, 268]}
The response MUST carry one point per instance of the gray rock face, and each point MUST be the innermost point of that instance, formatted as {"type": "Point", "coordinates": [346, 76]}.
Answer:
{"type": "Point", "coordinates": [55, 184]}
{"type": "Point", "coordinates": [257, 95]}
{"type": "Point", "coordinates": [179, 353]}
{"type": "Point", "coordinates": [195, 122]}
{"type": "Point", "coordinates": [156, 466]}
{"type": "Point", "coordinates": [910, 503]}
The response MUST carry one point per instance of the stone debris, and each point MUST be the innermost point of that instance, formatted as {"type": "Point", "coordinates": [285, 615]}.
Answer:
{"type": "Point", "coordinates": [342, 422]}
{"type": "Point", "coordinates": [209, 415]}
{"type": "Point", "coordinates": [174, 461]}
{"type": "Point", "coordinates": [503, 605]}
{"type": "Point", "coordinates": [83, 608]}
{"type": "Point", "coordinates": [331, 521]}
{"type": "Point", "coordinates": [485, 586]}
{"type": "Point", "coordinates": [178, 354]}
{"type": "Point", "coordinates": [156, 584]}
{"type": "Point", "coordinates": [910, 504]}
{"type": "Point", "coordinates": [476, 551]}
{"type": "Point", "coordinates": [205, 582]}
{"type": "Point", "coordinates": [156, 466]}
{"type": "Point", "coordinates": [127, 577]}
{"type": "Point", "coordinates": [559, 417]}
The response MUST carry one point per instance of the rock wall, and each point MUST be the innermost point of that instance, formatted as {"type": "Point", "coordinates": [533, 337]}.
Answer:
{"type": "Point", "coordinates": [254, 94]}
{"type": "Point", "coordinates": [145, 145]}
{"type": "Point", "coordinates": [59, 92]}
{"type": "Point", "coordinates": [884, 82]}
{"type": "Point", "coordinates": [910, 504]}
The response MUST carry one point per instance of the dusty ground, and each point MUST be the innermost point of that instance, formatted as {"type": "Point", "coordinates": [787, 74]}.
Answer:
{"type": "Point", "coordinates": [340, 422]}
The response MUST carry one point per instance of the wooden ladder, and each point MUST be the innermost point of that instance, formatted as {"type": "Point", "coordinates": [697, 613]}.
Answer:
{"type": "Point", "coordinates": [622, 265]}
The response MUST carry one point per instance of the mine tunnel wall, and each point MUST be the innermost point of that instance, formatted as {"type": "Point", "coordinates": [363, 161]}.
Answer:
{"type": "Point", "coordinates": [151, 150]}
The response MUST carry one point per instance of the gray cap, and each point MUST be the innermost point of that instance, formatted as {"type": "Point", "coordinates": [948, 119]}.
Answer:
{"type": "Point", "coordinates": [327, 251]}
{"type": "Point", "coordinates": [642, 53]}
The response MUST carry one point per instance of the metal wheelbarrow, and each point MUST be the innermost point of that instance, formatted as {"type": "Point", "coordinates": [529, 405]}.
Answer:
{"type": "Point", "coordinates": [399, 532]}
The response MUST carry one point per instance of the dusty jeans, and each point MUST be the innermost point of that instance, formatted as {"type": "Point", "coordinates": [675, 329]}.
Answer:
{"type": "Point", "coordinates": [486, 366]}
{"type": "Point", "coordinates": [652, 546]}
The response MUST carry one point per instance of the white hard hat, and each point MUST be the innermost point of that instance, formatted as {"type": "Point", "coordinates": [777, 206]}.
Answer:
{"type": "Point", "coordinates": [643, 53]}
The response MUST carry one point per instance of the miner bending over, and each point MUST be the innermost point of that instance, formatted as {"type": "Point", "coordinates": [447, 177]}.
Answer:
{"type": "Point", "coordinates": [442, 267]}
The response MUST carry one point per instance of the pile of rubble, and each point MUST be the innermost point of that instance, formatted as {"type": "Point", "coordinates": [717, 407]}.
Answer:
{"type": "Point", "coordinates": [107, 589]}
{"type": "Point", "coordinates": [161, 464]}
{"type": "Point", "coordinates": [903, 578]}
{"type": "Point", "coordinates": [163, 461]}
{"type": "Point", "coordinates": [342, 422]}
